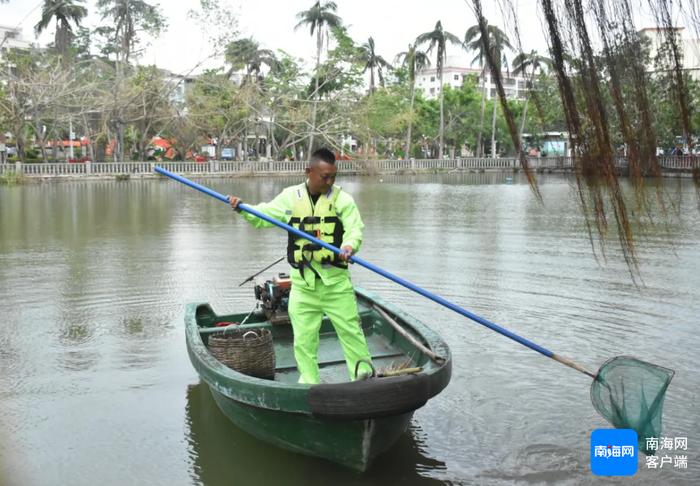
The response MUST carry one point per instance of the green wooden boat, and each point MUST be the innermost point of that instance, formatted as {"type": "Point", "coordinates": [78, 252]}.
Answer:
{"type": "Point", "coordinates": [349, 423]}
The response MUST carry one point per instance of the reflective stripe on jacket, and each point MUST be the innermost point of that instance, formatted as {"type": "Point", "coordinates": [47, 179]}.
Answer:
{"type": "Point", "coordinates": [317, 219]}
{"type": "Point", "coordinates": [281, 208]}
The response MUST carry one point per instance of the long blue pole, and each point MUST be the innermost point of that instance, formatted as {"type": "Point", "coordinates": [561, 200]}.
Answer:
{"type": "Point", "coordinates": [383, 273]}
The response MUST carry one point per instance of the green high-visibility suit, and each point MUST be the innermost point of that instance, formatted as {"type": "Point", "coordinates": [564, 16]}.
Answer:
{"type": "Point", "coordinates": [320, 280]}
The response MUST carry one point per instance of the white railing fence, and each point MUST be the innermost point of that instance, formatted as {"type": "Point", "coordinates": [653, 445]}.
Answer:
{"type": "Point", "coordinates": [680, 163]}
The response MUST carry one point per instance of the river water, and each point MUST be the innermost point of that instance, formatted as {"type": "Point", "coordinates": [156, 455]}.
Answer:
{"type": "Point", "coordinates": [96, 386]}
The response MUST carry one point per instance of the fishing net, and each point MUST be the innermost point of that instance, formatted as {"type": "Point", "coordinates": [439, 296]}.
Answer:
{"type": "Point", "coordinates": [629, 393]}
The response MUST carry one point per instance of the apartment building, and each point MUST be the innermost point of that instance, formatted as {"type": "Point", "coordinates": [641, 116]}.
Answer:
{"type": "Point", "coordinates": [455, 72]}
{"type": "Point", "coordinates": [690, 48]}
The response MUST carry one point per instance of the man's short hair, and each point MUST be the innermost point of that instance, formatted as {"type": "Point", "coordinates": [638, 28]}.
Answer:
{"type": "Point", "coordinates": [322, 154]}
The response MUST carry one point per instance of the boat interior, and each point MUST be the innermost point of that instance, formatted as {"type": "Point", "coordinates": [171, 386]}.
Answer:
{"type": "Point", "coordinates": [390, 350]}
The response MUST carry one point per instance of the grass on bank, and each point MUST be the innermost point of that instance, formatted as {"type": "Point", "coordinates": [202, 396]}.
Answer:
{"type": "Point", "coordinates": [11, 178]}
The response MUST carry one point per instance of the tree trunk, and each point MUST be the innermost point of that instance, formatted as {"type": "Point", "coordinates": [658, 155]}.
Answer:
{"type": "Point", "coordinates": [319, 43]}
{"type": "Point", "coordinates": [40, 137]}
{"type": "Point", "coordinates": [44, 157]}
{"type": "Point", "coordinates": [522, 120]}
{"type": "Point", "coordinates": [479, 143]}
{"type": "Point", "coordinates": [268, 145]}
{"type": "Point", "coordinates": [118, 152]}
{"type": "Point", "coordinates": [442, 116]}
{"type": "Point", "coordinates": [410, 121]}
{"type": "Point", "coordinates": [91, 140]}
{"type": "Point", "coordinates": [493, 130]}
{"type": "Point", "coordinates": [142, 143]}
{"type": "Point", "coordinates": [19, 140]}
{"type": "Point", "coordinates": [245, 143]}
{"type": "Point", "coordinates": [54, 145]}
{"type": "Point", "coordinates": [54, 150]}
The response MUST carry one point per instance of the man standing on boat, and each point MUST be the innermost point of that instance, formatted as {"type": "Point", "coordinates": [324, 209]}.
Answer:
{"type": "Point", "coordinates": [320, 278]}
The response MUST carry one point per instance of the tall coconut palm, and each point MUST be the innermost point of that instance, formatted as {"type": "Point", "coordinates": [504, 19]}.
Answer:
{"type": "Point", "coordinates": [372, 61]}
{"type": "Point", "coordinates": [64, 12]}
{"type": "Point", "coordinates": [414, 60]}
{"type": "Point", "coordinates": [496, 42]}
{"type": "Point", "coordinates": [131, 17]}
{"type": "Point", "coordinates": [534, 62]}
{"type": "Point", "coordinates": [319, 18]}
{"type": "Point", "coordinates": [247, 54]}
{"type": "Point", "coordinates": [438, 39]}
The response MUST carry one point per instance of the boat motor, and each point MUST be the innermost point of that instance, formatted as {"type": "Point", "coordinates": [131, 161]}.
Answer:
{"type": "Point", "coordinates": [273, 296]}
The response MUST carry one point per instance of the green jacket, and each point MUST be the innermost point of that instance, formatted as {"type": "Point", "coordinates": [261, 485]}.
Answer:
{"type": "Point", "coordinates": [281, 207]}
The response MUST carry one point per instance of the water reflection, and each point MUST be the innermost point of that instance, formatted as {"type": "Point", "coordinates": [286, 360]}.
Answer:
{"type": "Point", "coordinates": [222, 454]}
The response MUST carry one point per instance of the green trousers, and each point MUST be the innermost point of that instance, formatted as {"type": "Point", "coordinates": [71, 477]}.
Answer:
{"type": "Point", "coordinates": [306, 309]}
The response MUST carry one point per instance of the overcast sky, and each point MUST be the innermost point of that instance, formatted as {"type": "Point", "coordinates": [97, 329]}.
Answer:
{"type": "Point", "coordinates": [392, 24]}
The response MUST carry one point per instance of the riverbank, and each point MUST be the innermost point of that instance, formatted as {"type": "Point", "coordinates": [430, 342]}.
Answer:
{"type": "Point", "coordinates": [671, 167]}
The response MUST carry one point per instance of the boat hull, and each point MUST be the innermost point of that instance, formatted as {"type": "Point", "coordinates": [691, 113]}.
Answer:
{"type": "Point", "coordinates": [353, 444]}
{"type": "Point", "coordinates": [349, 423]}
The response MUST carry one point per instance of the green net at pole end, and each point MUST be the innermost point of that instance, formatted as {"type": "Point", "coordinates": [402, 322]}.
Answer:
{"type": "Point", "coordinates": [629, 393]}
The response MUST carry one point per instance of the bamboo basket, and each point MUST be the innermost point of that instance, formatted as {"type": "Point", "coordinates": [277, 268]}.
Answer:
{"type": "Point", "coordinates": [248, 351]}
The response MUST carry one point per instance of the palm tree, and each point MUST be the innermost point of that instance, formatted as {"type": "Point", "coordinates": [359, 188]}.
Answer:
{"type": "Point", "coordinates": [319, 18]}
{"type": "Point", "coordinates": [414, 60]}
{"type": "Point", "coordinates": [535, 63]}
{"type": "Point", "coordinates": [131, 17]}
{"type": "Point", "coordinates": [64, 12]}
{"type": "Point", "coordinates": [247, 54]}
{"type": "Point", "coordinates": [438, 39]}
{"type": "Point", "coordinates": [496, 41]}
{"type": "Point", "coordinates": [372, 61]}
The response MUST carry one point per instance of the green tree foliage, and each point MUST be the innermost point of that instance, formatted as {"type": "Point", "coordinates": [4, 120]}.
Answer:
{"type": "Point", "coordinates": [319, 19]}
{"type": "Point", "coordinates": [130, 19]}
{"type": "Point", "coordinates": [373, 61]}
{"type": "Point", "coordinates": [216, 108]}
{"type": "Point", "coordinates": [340, 88]}
{"type": "Point", "coordinates": [528, 65]}
{"type": "Point", "coordinates": [246, 54]}
{"type": "Point", "coordinates": [151, 108]}
{"type": "Point", "coordinates": [379, 120]}
{"type": "Point", "coordinates": [413, 60]}
{"type": "Point", "coordinates": [65, 13]}
{"type": "Point", "coordinates": [548, 114]}
{"type": "Point", "coordinates": [119, 105]}
{"type": "Point", "coordinates": [462, 107]}
{"type": "Point", "coordinates": [36, 96]}
{"type": "Point", "coordinates": [496, 42]}
{"type": "Point", "coordinates": [287, 111]}
{"type": "Point", "coordinates": [438, 39]}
